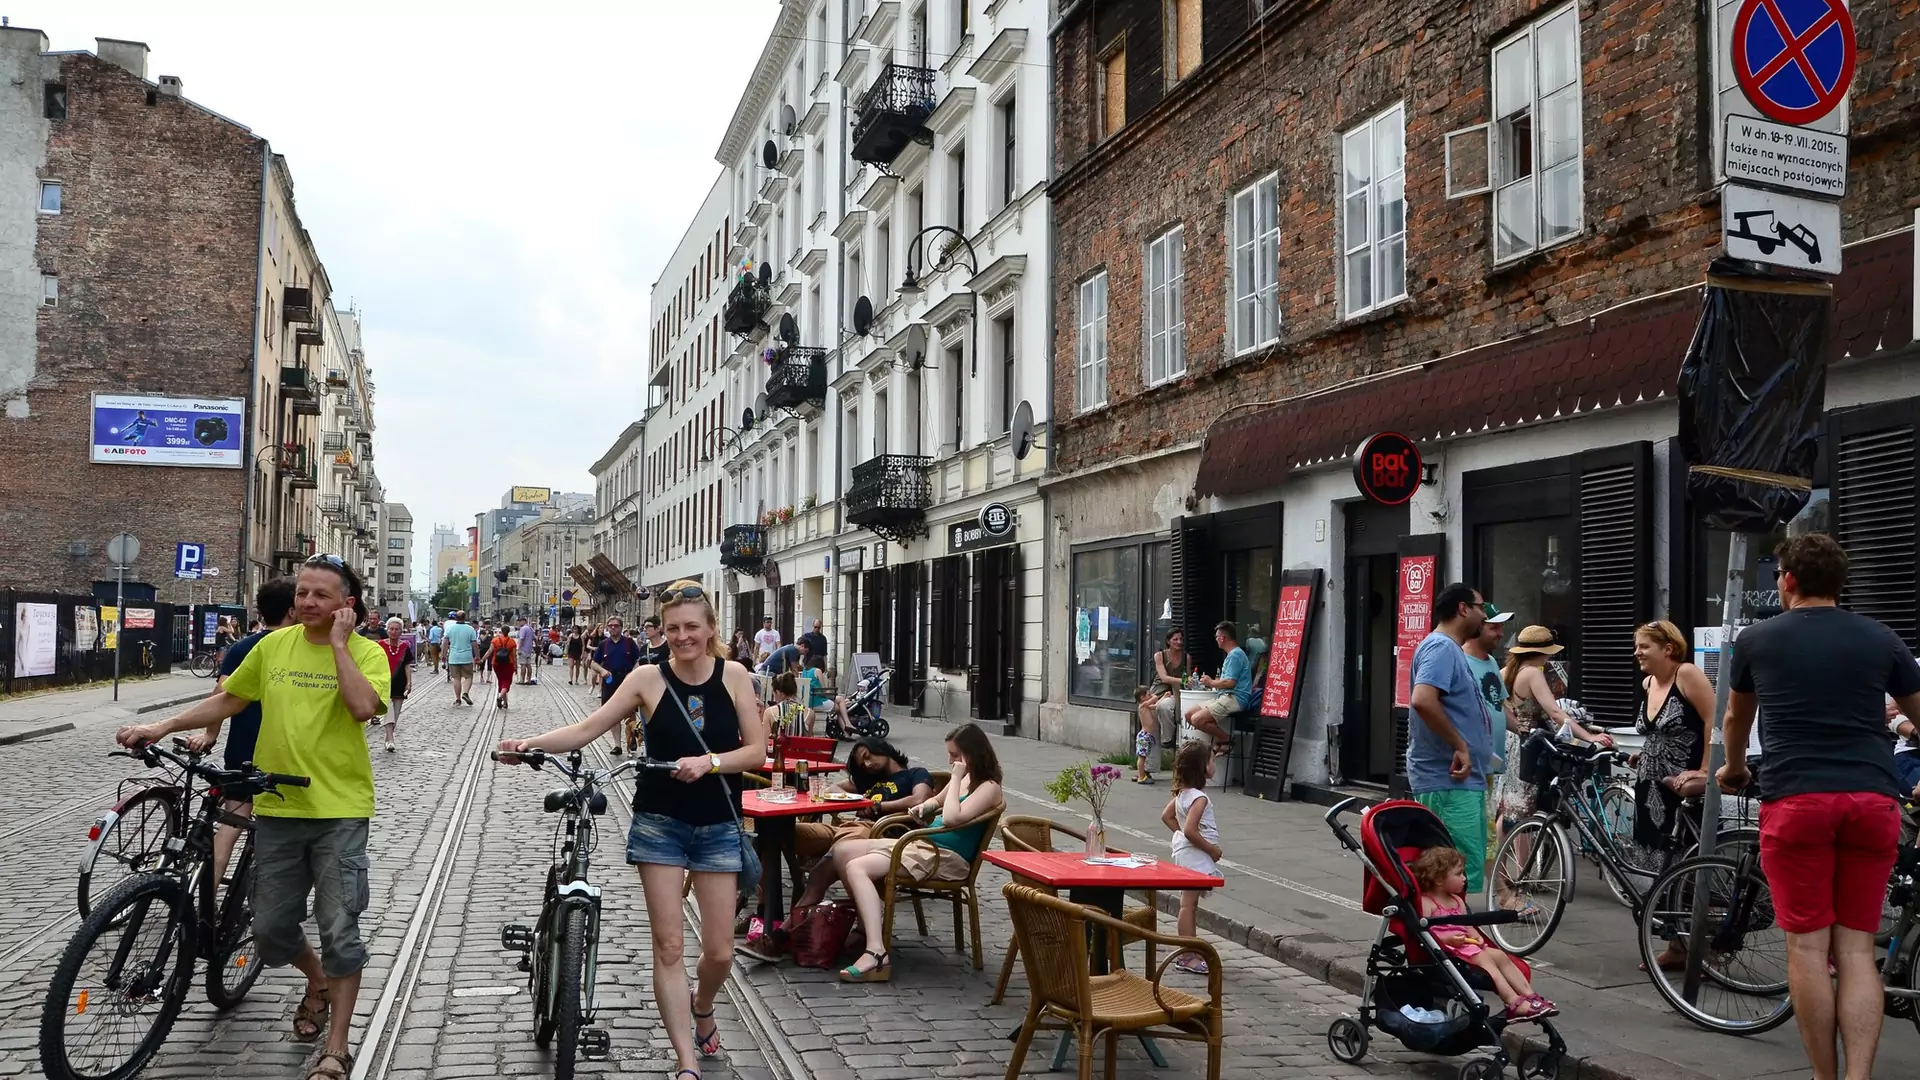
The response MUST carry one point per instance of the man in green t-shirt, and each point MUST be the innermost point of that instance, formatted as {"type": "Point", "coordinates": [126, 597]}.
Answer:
{"type": "Point", "coordinates": [318, 684]}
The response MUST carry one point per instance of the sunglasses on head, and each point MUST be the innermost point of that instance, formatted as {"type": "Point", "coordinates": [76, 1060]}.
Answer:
{"type": "Point", "coordinates": [334, 561]}
{"type": "Point", "coordinates": [685, 592]}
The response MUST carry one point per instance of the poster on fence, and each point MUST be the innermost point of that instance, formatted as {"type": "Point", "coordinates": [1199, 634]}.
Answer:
{"type": "Point", "coordinates": [36, 639]}
{"type": "Point", "coordinates": [86, 629]}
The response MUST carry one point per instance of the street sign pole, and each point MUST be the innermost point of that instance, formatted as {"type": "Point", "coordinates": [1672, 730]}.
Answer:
{"type": "Point", "coordinates": [1730, 615]}
{"type": "Point", "coordinates": [123, 549]}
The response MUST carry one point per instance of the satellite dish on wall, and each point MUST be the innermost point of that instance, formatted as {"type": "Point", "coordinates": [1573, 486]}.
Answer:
{"type": "Point", "coordinates": [746, 419]}
{"type": "Point", "coordinates": [766, 273]}
{"type": "Point", "coordinates": [770, 154]}
{"type": "Point", "coordinates": [862, 316]}
{"type": "Point", "coordinates": [789, 329]}
{"type": "Point", "coordinates": [914, 348]}
{"type": "Point", "coordinates": [1020, 432]}
{"type": "Point", "coordinates": [788, 121]}
{"type": "Point", "coordinates": [760, 404]}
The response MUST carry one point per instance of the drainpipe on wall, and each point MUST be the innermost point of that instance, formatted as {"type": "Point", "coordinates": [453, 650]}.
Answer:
{"type": "Point", "coordinates": [247, 450]}
{"type": "Point", "coordinates": [1053, 331]}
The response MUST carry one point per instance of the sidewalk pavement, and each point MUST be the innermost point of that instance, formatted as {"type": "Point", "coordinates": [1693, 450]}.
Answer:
{"type": "Point", "coordinates": [33, 716]}
{"type": "Point", "coordinates": [1292, 895]}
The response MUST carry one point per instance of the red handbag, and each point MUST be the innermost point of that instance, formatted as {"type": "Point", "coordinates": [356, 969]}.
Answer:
{"type": "Point", "coordinates": [819, 940]}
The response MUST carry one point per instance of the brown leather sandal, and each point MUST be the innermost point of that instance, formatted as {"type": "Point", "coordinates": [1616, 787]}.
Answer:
{"type": "Point", "coordinates": [315, 1020]}
{"type": "Point", "coordinates": [331, 1066]}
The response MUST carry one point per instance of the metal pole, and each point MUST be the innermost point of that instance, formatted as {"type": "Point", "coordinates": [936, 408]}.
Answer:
{"type": "Point", "coordinates": [1731, 600]}
{"type": "Point", "coordinates": [119, 624]}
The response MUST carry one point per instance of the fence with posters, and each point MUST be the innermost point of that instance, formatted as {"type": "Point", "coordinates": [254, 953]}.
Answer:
{"type": "Point", "coordinates": [58, 639]}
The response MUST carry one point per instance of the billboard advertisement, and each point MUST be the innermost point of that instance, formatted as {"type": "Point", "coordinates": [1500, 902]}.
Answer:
{"type": "Point", "coordinates": [532, 495]}
{"type": "Point", "coordinates": [36, 639]}
{"type": "Point", "coordinates": [192, 432]}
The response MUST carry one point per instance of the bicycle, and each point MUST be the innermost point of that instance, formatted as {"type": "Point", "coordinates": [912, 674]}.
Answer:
{"type": "Point", "coordinates": [560, 952]}
{"type": "Point", "coordinates": [1534, 861]}
{"type": "Point", "coordinates": [143, 658]}
{"type": "Point", "coordinates": [1738, 909]}
{"type": "Point", "coordinates": [131, 836]}
{"type": "Point", "coordinates": [206, 664]}
{"type": "Point", "coordinates": [129, 965]}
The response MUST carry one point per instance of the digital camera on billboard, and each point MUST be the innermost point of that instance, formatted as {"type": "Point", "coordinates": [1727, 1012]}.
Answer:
{"type": "Point", "coordinates": [210, 430]}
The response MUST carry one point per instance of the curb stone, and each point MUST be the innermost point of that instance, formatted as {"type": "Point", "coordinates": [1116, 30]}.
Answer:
{"type": "Point", "coordinates": [34, 733]}
{"type": "Point", "coordinates": [9, 738]}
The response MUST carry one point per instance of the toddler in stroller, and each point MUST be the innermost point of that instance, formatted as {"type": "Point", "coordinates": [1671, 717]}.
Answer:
{"type": "Point", "coordinates": [1428, 964]}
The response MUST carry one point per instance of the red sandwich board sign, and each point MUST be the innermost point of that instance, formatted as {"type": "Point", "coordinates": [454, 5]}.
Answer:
{"type": "Point", "coordinates": [1793, 59]}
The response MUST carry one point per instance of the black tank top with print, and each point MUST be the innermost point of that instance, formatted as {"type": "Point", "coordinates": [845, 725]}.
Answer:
{"type": "Point", "coordinates": [709, 708]}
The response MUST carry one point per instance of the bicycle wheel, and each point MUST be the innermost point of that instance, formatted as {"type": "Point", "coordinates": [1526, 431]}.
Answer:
{"type": "Point", "coordinates": [1533, 873]}
{"type": "Point", "coordinates": [127, 840]}
{"type": "Point", "coordinates": [567, 999]}
{"type": "Point", "coordinates": [1744, 988]}
{"type": "Point", "coordinates": [119, 983]}
{"type": "Point", "coordinates": [206, 664]}
{"type": "Point", "coordinates": [541, 961]}
{"type": "Point", "coordinates": [233, 965]}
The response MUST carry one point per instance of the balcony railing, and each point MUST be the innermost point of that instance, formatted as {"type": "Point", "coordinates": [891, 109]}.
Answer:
{"type": "Point", "coordinates": [746, 306]}
{"type": "Point", "coordinates": [892, 113]}
{"type": "Point", "coordinates": [797, 379]}
{"type": "Point", "coordinates": [336, 377]}
{"type": "Point", "coordinates": [333, 442]}
{"type": "Point", "coordinates": [743, 548]}
{"type": "Point", "coordinates": [296, 304]}
{"type": "Point", "coordinates": [333, 506]}
{"type": "Point", "coordinates": [293, 548]}
{"type": "Point", "coordinates": [297, 383]}
{"type": "Point", "coordinates": [889, 496]}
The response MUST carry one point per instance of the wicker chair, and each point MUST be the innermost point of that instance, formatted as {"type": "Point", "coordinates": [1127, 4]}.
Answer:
{"type": "Point", "coordinates": [1019, 833]}
{"type": "Point", "coordinates": [964, 892]}
{"type": "Point", "coordinates": [1066, 997]}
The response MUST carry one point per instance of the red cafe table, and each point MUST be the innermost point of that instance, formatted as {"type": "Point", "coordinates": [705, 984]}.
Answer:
{"type": "Point", "coordinates": [774, 838]}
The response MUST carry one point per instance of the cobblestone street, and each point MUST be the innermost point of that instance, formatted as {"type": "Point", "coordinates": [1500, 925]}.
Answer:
{"type": "Point", "coordinates": [442, 999]}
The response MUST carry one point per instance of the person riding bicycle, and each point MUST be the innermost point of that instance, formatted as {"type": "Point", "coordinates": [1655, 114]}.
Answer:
{"type": "Point", "coordinates": [317, 684]}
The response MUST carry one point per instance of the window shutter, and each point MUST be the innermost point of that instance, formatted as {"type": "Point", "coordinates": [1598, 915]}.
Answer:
{"type": "Point", "coordinates": [938, 597]}
{"type": "Point", "coordinates": [1614, 494]}
{"type": "Point", "coordinates": [1195, 603]}
{"type": "Point", "coordinates": [905, 578]}
{"type": "Point", "coordinates": [1874, 469]}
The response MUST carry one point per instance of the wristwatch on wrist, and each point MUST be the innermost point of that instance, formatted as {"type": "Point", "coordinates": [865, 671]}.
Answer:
{"type": "Point", "coordinates": [714, 760]}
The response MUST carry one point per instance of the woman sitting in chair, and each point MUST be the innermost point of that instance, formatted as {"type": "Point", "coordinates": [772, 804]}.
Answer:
{"type": "Point", "coordinates": [879, 770]}
{"type": "Point", "coordinates": [962, 811]}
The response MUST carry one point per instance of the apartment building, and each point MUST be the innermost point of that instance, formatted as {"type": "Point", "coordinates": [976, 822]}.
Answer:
{"type": "Point", "coordinates": [1284, 227]}
{"type": "Point", "coordinates": [618, 508]}
{"type": "Point", "coordinates": [888, 165]}
{"type": "Point", "coordinates": [347, 479]}
{"type": "Point", "coordinates": [193, 420]}
{"type": "Point", "coordinates": [396, 560]}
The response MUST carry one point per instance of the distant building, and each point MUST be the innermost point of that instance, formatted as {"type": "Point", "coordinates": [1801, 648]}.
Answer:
{"type": "Point", "coordinates": [618, 504]}
{"type": "Point", "coordinates": [396, 560]}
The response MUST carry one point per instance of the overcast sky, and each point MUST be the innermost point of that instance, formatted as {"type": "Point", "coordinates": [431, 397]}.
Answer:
{"type": "Point", "coordinates": [495, 186]}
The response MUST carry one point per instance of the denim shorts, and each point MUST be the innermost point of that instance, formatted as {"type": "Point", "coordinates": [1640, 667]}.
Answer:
{"type": "Point", "coordinates": [703, 849]}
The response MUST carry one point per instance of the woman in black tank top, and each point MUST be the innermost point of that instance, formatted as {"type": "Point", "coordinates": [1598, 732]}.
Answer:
{"type": "Point", "coordinates": [684, 822]}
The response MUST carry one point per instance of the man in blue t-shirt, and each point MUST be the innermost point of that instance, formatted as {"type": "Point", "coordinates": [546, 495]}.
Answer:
{"type": "Point", "coordinates": [434, 635]}
{"type": "Point", "coordinates": [274, 602]}
{"type": "Point", "coordinates": [1235, 684]}
{"type": "Point", "coordinates": [613, 660]}
{"type": "Point", "coordinates": [1449, 748]}
{"type": "Point", "coordinates": [460, 639]}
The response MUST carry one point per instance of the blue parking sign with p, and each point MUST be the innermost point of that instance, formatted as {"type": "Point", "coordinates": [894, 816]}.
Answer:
{"type": "Point", "coordinates": [187, 560]}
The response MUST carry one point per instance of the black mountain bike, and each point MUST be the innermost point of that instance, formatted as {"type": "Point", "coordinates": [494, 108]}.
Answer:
{"type": "Point", "coordinates": [124, 975]}
{"type": "Point", "coordinates": [560, 952]}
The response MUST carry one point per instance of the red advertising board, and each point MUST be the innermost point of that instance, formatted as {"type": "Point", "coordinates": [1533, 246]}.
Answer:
{"type": "Point", "coordinates": [1415, 621]}
{"type": "Point", "coordinates": [1284, 650]}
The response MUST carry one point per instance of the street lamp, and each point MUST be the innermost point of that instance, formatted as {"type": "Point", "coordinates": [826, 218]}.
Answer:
{"type": "Point", "coordinates": [946, 260]}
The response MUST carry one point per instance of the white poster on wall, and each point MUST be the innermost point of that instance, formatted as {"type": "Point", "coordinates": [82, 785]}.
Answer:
{"type": "Point", "coordinates": [36, 639]}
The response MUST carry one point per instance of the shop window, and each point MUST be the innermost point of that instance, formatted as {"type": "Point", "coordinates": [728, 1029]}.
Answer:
{"type": "Point", "coordinates": [1374, 212]}
{"type": "Point", "coordinates": [1122, 609]}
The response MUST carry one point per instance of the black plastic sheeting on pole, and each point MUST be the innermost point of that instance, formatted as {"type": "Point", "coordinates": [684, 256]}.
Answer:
{"type": "Point", "coordinates": [1752, 391]}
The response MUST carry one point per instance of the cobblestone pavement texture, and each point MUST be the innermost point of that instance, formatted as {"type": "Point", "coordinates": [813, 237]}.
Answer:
{"type": "Point", "coordinates": [460, 1004]}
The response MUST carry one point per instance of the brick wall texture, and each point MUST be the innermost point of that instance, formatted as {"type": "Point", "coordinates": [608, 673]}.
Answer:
{"type": "Point", "coordinates": [1276, 95]}
{"type": "Point", "coordinates": [156, 250]}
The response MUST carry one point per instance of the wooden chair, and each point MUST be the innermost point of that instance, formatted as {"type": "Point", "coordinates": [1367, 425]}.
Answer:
{"type": "Point", "coordinates": [961, 893]}
{"type": "Point", "coordinates": [1066, 997]}
{"type": "Point", "coordinates": [1019, 833]}
{"type": "Point", "coordinates": [812, 746]}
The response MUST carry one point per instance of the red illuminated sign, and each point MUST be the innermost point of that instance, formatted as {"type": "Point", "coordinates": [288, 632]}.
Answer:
{"type": "Point", "coordinates": [1415, 620]}
{"type": "Point", "coordinates": [1387, 468]}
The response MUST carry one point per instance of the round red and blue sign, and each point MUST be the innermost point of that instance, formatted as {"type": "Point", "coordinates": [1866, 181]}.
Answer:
{"type": "Point", "coordinates": [1387, 468]}
{"type": "Point", "coordinates": [1793, 58]}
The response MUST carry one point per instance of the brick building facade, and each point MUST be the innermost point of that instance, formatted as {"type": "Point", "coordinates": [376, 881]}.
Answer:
{"type": "Point", "coordinates": [1258, 263]}
{"type": "Point", "coordinates": [153, 247]}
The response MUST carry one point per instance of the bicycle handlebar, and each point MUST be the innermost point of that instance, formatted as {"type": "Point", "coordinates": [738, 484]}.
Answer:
{"type": "Point", "coordinates": [570, 768]}
{"type": "Point", "coordinates": [188, 760]}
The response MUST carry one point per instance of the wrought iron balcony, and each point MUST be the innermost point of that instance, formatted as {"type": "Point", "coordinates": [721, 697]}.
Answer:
{"type": "Point", "coordinates": [297, 384]}
{"type": "Point", "coordinates": [797, 379]}
{"type": "Point", "coordinates": [336, 377]}
{"type": "Point", "coordinates": [892, 113]}
{"type": "Point", "coordinates": [296, 304]}
{"type": "Point", "coordinates": [746, 307]}
{"type": "Point", "coordinates": [333, 506]}
{"type": "Point", "coordinates": [889, 496]}
{"type": "Point", "coordinates": [333, 442]}
{"type": "Point", "coordinates": [293, 548]}
{"type": "Point", "coordinates": [743, 548]}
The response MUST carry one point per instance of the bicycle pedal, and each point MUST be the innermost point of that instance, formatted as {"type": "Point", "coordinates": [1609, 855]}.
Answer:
{"type": "Point", "coordinates": [594, 1044]}
{"type": "Point", "coordinates": [517, 937]}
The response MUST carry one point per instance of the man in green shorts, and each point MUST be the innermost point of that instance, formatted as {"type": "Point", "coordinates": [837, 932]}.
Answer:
{"type": "Point", "coordinates": [1449, 748]}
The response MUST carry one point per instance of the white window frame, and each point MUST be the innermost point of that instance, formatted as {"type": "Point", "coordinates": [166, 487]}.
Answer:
{"type": "Point", "coordinates": [1368, 195]}
{"type": "Point", "coordinates": [59, 196]}
{"type": "Point", "coordinates": [1090, 344]}
{"type": "Point", "coordinates": [1513, 193]}
{"type": "Point", "coordinates": [1255, 267]}
{"type": "Point", "coordinates": [1166, 350]}
{"type": "Point", "coordinates": [49, 290]}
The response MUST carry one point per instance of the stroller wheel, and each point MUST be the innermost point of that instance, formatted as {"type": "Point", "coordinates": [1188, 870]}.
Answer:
{"type": "Point", "coordinates": [1347, 1038]}
{"type": "Point", "coordinates": [1540, 1065]}
{"type": "Point", "coordinates": [1480, 1069]}
{"type": "Point", "coordinates": [877, 727]}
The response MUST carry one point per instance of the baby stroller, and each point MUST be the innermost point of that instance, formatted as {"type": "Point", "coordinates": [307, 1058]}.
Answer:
{"type": "Point", "coordinates": [863, 708]}
{"type": "Point", "coordinates": [1406, 967]}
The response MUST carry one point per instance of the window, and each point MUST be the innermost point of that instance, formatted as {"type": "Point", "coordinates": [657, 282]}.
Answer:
{"type": "Point", "coordinates": [1122, 610]}
{"type": "Point", "coordinates": [49, 291]}
{"type": "Point", "coordinates": [396, 579]}
{"type": "Point", "coordinates": [1536, 136]}
{"type": "Point", "coordinates": [1374, 217]}
{"type": "Point", "coordinates": [961, 23]}
{"type": "Point", "coordinates": [1110, 93]}
{"type": "Point", "coordinates": [960, 188]}
{"type": "Point", "coordinates": [49, 196]}
{"type": "Point", "coordinates": [849, 447]}
{"type": "Point", "coordinates": [883, 262]}
{"type": "Point", "coordinates": [1182, 20]}
{"type": "Point", "coordinates": [1009, 153]}
{"type": "Point", "coordinates": [956, 364]}
{"type": "Point", "coordinates": [396, 541]}
{"type": "Point", "coordinates": [1254, 233]}
{"type": "Point", "coordinates": [1009, 379]}
{"type": "Point", "coordinates": [56, 101]}
{"type": "Point", "coordinates": [855, 282]}
{"type": "Point", "coordinates": [1166, 307]}
{"type": "Point", "coordinates": [1091, 362]}
{"type": "Point", "coordinates": [396, 560]}
{"type": "Point", "coordinates": [880, 420]}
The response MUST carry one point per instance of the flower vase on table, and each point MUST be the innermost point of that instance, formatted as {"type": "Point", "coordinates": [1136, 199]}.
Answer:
{"type": "Point", "coordinates": [1091, 783]}
{"type": "Point", "coordinates": [1096, 836]}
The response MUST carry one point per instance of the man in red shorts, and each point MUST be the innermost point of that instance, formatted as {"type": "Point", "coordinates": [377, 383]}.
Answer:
{"type": "Point", "coordinates": [1829, 816]}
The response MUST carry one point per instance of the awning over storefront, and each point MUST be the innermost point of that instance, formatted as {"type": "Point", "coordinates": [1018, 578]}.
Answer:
{"type": "Point", "coordinates": [1620, 357]}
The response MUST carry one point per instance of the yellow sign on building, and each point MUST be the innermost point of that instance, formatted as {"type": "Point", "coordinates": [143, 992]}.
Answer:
{"type": "Point", "coordinates": [532, 495]}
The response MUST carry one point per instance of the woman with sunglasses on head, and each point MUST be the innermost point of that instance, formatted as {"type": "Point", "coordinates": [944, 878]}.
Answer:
{"type": "Point", "coordinates": [704, 717]}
